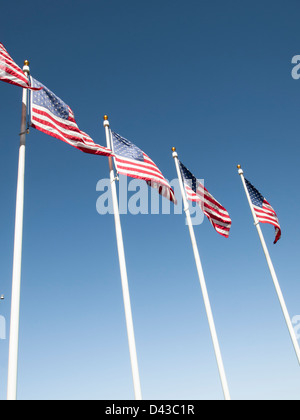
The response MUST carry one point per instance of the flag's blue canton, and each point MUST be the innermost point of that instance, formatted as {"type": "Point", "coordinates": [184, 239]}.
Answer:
{"type": "Point", "coordinates": [47, 99]}
{"type": "Point", "coordinates": [125, 148]}
{"type": "Point", "coordinates": [188, 177]}
{"type": "Point", "coordinates": [256, 197]}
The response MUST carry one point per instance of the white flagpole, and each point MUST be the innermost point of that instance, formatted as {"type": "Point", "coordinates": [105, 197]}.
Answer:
{"type": "Point", "coordinates": [17, 259]}
{"type": "Point", "coordinates": [123, 270]}
{"type": "Point", "coordinates": [271, 268]}
{"type": "Point", "coordinates": [202, 283]}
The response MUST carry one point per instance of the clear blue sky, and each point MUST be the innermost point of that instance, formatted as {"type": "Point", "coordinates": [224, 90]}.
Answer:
{"type": "Point", "coordinates": [212, 78]}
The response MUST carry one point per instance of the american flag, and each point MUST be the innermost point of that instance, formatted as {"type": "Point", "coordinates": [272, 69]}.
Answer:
{"type": "Point", "coordinates": [133, 162]}
{"type": "Point", "coordinates": [52, 116]}
{"type": "Point", "coordinates": [216, 213]}
{"type": "Point", "coordinates": [10, 72]}
{"type": "Point", "coordinates": [263, 210]}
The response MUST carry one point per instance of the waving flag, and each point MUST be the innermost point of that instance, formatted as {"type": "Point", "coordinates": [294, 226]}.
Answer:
{"type": "Point", "coordinates": [133, 162]}
{"type": "Point", "coordinates": [196, 192]}
{"type": "Point", "coordinates": [10, 72]}
{"type": "Point", "coordinates": [263, 210]}
{"type": "Point", "coordinates": [52, 116]}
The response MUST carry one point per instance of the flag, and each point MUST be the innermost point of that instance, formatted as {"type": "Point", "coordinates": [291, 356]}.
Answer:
{"type": "Point", "coordinates": [216, 213]}
{"type": "Point", "coordinates": [133, 162]}
{"type": "Point", "coordinates": [263, 210]}
{"type": "Point", "coordinates": [52, 116]}
{"type": "Point", "coordinates": [10, 72]}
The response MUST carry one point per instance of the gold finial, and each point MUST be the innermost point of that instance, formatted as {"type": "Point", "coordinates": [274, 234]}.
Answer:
{"type": "Point", "coordinates": [26, 63]}
{"type": "Point", "coordinates": [105, 117]}
{"type": "Point", "coordinates": [173, 149]}
{"type": "Point", "coordinates": [239, 166]}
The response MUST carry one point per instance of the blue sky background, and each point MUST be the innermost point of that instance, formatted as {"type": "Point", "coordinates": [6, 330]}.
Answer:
{"type": "Point", "coordinates": [212, 78]}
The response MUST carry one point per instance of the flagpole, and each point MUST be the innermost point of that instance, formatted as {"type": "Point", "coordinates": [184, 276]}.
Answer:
{"type": "Point", "coordinates": [271, 268]}
{"type": "Point", "coordinates": [17, 259]}
{"type": "Point", "coordinates": [123, 270]}
{"type": "Point", "coordinates": [202, 283]}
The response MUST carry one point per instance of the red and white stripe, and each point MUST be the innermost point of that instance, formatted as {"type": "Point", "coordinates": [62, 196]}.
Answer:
{"type": "Point", "coordinates": [146, 170]}
{"type": "Point", "coordinates": [267, 214]}
{"type": "Point", "coordinates": [10, 72]}
{"type": "Point", "coordinates": [66, 130]}
{"type": "Point", "coordinates": [216, 213]}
